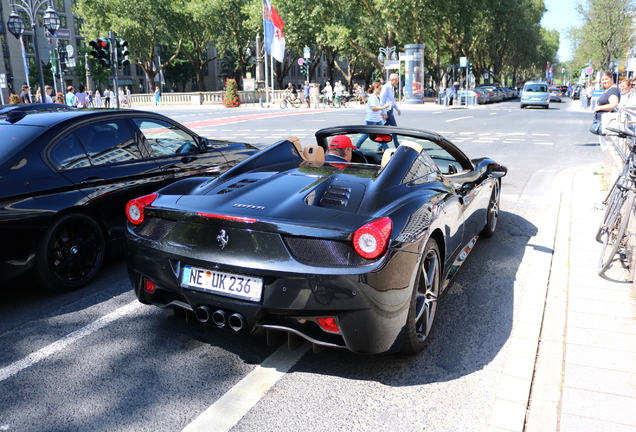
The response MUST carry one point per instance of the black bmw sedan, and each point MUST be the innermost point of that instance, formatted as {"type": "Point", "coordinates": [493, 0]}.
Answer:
{"type": "Point", "coordinates": [66, 175]}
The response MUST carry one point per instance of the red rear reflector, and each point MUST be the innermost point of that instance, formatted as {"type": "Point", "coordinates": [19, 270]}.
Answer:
{"type": "Point", "coordinates": [150, 286]}
{"type": "Point", "coordinates": [230, 218]}
{"type": "Point", "coordinates": [329, 324]}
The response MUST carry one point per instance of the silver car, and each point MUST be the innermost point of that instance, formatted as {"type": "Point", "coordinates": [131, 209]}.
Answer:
{"type": "Point", "coordinates": [535, 93]}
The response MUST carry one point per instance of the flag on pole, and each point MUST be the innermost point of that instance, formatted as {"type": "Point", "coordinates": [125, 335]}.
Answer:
{"type": "Point", "coordinates": [278, 43]}
{"type": "Point", "coordinates": [268, 26]}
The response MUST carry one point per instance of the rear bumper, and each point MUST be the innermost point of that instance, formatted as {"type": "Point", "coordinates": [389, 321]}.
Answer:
{"type": "Point", "coordinates": [370, 307]}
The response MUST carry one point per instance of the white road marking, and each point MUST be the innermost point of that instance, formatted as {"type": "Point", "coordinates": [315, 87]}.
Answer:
{"type": "Point", "coordinates": [543, 143]}
{"type": "Point", "coordinates": [458, 118]}
{"type": "Point", "coordinates": [230, 408]}
{"type": "Point", "coordinates": [55, 347]}
{"type": "Point", "coordinates": [542, 135]}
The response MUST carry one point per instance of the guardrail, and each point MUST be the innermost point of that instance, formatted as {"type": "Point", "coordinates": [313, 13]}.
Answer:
{"type": "Point", "coordinates": [204, 98]}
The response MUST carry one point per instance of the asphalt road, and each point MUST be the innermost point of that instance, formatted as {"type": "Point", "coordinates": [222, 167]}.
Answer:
{"type": "Point", "coordinates": [96, 360]}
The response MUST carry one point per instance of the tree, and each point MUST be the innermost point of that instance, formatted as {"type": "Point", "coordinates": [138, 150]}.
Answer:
{"type": "Point", "coordinates": [607, 31]}
{"type": "Point", "coordinates": [145, 24]}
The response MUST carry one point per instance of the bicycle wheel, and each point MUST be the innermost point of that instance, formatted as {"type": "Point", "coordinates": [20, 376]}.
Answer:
{"type": "Point", "coordinates": [611, 201]}
{"type": "Point", "coordinates": [296, 103]}
{"type": "Point", "coordinates": [616, 228]}
{"type": "Point", "coordinates": [283, 104]}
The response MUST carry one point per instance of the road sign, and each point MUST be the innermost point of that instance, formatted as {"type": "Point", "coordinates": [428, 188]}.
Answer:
{"type": "Point", "coordinates": [306, 52]}
{"type": "Point", "coordinates": [589, 70]}
{"type": "Point", "coordinates": [3, 80]}
{"type": "Point", "coordinates": [70, 62]}
{"type": "Point", "coordinates": [463, 61]}
{"type": "Point", "coordinates": [392, 64]}
{"type": "Point", "coordinates": [249, 84]}
{"type": "Point", "coordinates": [70, 50]}
{"type": "Point", "coordinates": [301, 61]}
{"type": "Point", "coordinates": [59, 34]}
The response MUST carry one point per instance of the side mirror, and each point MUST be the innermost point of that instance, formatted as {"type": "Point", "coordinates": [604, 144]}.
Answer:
{"type": "Point", "coordinates": [496, 170]}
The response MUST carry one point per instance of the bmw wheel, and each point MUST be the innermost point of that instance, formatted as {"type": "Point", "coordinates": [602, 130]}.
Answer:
{"type": "Point", "coordinates": [492, 213]}
{"type": "Point", "coordinates": [71, 253]}
{"type": "Point", "coordinates": [423, 311]}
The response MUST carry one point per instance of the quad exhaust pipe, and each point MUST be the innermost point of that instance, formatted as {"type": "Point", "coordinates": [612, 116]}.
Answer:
{"type": "Point", "coordinates": [220, 318]}
{"type": "Point", "coordinates": [236, 322]}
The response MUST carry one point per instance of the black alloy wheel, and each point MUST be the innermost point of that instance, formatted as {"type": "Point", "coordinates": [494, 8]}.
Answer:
{"type": "Point", "coordinates": [71, 253]}
{"type": "Point", "coordinates": [423, 311]}
{"type": "Point", "coordinates": [492, 213]}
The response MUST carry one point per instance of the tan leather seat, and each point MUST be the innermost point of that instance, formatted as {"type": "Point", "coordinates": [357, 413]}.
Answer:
{"type": "Point", "coordinates": [387, 155]}
{"type": "Point", "coordinates": [296, 142]}
{"type": "Point", "coordinates": [314, 153]}
{"type": "Point", "coordinates": [415, 146]}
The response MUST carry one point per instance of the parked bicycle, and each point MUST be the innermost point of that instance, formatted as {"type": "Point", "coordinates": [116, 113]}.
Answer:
{"type": "Point", "coordinates": [619, 205]}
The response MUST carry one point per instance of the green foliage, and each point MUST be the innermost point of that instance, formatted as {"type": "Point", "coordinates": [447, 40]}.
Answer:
{"type": "Point", "coordinates": [606, 33]}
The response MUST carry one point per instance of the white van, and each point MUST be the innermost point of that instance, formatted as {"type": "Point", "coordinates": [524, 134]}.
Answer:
{"type": "Point", "coordinates": [535, 93]}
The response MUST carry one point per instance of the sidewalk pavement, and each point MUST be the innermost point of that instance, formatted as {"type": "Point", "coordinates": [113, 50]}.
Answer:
{"type": "Point", "coordinates": [571, 366]}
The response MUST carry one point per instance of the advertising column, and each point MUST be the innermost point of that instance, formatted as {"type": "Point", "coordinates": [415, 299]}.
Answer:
{"type": "Point", "coordinates": [414, 71]}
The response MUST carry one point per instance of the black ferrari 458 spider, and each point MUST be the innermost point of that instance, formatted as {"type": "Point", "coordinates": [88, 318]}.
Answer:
{"type": "Point", "coordinates": [343, 254]}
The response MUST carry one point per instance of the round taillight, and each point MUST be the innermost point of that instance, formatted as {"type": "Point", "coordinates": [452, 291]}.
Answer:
{"type": "Point", "coordinates": [371, 240]}
{"type": "Point", "coordinates": [135, 208]}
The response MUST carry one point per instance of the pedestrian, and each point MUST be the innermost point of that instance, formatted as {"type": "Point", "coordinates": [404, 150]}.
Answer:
{"type": "Point", "coordinates": [387, 95]}
{"type": "Point", "coordinates": [81, 98]}
{"type": "Point", "coordinates": [608, 102]}
{"type": "Point", "coordinates": [25, 96]}
{"type": "Point", "coordinates": [122, 98]}
{"type": "Point", "coordinates": [107, 95]}
{"type": "Point", "coordinates": [627, 95]}
{"type": "Point", "coordinates": [128, 97]}
{"type": "Point", "coordinates": [455, 92]}
{"type": "Point", "coordinates": [306, 91]}
{"type": "Point", "coordinates": [48, 89]}
{"type": "Point", "coordinates": [314, 94]}
{"type": "Point", "coordinates": [98, 99]}
{"type": "Point", "coordinates": [70, 96]}
{"type": "Point", "coordinates": [157, 96]}
{"type": "Point", "coordinates": [375, 112]}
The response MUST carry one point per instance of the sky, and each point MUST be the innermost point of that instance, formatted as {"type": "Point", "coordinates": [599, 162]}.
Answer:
{"type": "Point", "coordinates": [560, 15]}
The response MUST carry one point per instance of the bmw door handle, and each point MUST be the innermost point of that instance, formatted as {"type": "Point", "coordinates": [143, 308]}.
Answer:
{"type": "Point", "coordinates": [92, 180]}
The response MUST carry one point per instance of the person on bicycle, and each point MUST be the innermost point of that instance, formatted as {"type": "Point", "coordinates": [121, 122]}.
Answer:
{"type": "Point", "coordinates": [338, 90]}
{"type": "Point", "coordinates": [291, 92]}
{"type": "Point", "coordinates": [328, 91]}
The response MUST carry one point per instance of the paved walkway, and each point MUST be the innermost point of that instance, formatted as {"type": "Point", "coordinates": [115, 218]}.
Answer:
{"type": "Point", "coordinates": [573, 347]}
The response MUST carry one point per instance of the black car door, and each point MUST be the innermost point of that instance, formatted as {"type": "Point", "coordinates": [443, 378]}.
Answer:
{"type": "Point", "coordinates": [177, 151]}
{"type": "Point", "coordinates": [103, 160]}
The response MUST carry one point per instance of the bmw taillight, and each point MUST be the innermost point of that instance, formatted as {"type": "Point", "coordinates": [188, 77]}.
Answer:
{"type": "Point", "coordinates": [135, 208]}
{"type": "Point", "coordinates": [371, 240]}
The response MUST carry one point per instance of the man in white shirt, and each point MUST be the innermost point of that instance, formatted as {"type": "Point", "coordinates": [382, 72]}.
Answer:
{"type": "Point", "coordinates": [387, 95]}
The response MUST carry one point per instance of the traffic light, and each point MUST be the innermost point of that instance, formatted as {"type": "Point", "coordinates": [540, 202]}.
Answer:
{"type": "Point", "coordinates": [303, 69]}
{"type": "Point", "coordinates": [101, 51]}
{"type": "Point", "coordinates": [122, 52]}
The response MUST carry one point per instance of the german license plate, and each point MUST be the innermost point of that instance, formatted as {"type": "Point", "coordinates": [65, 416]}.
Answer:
{"type": "Point", "coordinates": [226, 284]}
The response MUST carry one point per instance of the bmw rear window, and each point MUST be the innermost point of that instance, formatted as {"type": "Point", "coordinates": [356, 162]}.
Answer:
{"type": "Point", "coordinates": [13, 138]}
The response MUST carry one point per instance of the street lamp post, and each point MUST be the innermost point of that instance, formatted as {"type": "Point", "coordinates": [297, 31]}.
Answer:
{"type": "Point", "coordinates": [387, 53]}
{"type": "Point", "coordinates": [16, 26]}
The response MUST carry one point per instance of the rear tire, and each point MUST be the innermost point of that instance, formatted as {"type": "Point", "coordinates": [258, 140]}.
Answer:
{"type": "Point", "coordinates": [71, 253]}
{"type": "Point", "coordinates": [420, 322]}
